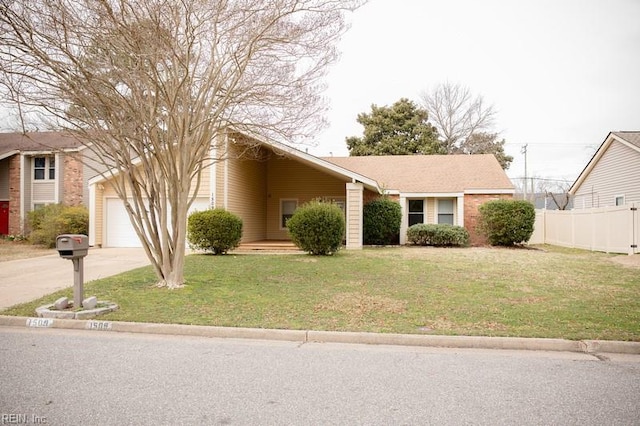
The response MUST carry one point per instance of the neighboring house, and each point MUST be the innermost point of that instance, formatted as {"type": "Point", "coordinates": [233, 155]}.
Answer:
{"type": "Point", "coordinates": [612, 176]}
{"type": "Point", "coordinates": [37, 169]}
{"type": "Point", "coordinates": [265, 184]}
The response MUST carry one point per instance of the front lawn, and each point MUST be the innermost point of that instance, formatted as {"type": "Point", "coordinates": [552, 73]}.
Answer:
{"type": "Point", "coordinates": [476, 291]}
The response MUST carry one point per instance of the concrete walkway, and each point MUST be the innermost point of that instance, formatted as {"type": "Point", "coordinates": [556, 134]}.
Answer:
{"type": "Point", "coordinates": [24, 280]}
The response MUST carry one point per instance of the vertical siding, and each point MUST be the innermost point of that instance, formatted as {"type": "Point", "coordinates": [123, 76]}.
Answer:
{"type": "Point", "coordinates": [616, 173]}
{"type": "Point", "coordinates": [289, 179]}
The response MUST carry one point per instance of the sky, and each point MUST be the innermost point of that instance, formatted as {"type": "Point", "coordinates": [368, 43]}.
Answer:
{"type": "Point", "coordinates": [561, 74]}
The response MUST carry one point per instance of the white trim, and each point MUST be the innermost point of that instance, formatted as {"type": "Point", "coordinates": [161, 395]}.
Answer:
{"type": "Point", "coordinates": [23, 201]}
{"type": "Point", "coordinates": [453, 212]}
{"type": "Point", "coordinates": [489, 191]}
{"type": "Point", "coordinates": [431, 194]}
{"type": "Point", "coordinates": [460, 208]}
{"type": "Point", "coordinates": [225, 182]}
{"type": "Point", "coordinates": [56, 176]}
{"type": "Point", "coordinates": [213, 178]}
{"type": "Point", "coordinates": [615, 198]}
{"type": "Point", "coordinates": [92, 214]}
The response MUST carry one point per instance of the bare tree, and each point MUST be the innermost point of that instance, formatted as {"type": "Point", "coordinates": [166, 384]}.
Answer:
{"type": "Point", "coordinates": [149, 85]}
{"type": "Point", "coordinates": [457, 114]}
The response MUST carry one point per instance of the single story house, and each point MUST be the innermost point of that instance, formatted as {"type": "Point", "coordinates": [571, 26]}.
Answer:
{"type": "Point", "coordinates": [612, 176]}
{"type": "Point", "coordinates": [37, 169]}
{"type": "Point", "coordinates": [264, 182]}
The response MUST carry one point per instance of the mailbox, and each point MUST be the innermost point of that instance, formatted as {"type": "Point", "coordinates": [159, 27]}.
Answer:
{"type": "Point", "coordinates": [72, 246]}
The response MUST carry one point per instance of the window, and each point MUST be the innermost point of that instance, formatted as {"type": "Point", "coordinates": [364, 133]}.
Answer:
{"type": "Point", "coordinates": [287, 208]}
{"type": "Point", "coordinates": [44, 168]}
{"type": "Point", "coordinates": [416, 212]}
{"type": "Point", "coordinates": [445, 211]}
{"type": "Point", "coordinates": [619, 200]}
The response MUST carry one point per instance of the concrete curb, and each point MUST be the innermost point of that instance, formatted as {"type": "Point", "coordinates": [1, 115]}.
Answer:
{"type": "Point", "coordinates": [305, 336]}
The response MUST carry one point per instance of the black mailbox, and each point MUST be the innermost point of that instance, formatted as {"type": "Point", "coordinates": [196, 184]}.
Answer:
{"type": "Point", "coordinates": [72, 246]}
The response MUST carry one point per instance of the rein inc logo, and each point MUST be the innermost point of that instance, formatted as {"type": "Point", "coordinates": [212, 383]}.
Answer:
{"type": "Point", "coordinates": [21, 419]}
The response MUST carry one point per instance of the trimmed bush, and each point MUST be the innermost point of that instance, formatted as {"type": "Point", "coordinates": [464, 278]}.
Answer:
{"type": "Point", "coordinates": [438, 235]}
{"type": "Point", "coordinates": [48, 222]}
{"type": "Point", "coordinates": [215, 230]}
{"type": "Point", "coordinates": [317, 228]}
{"type": "Point", "coordinates": [507, 222]}
{"type": "Point", "coordinates": [381, 222]}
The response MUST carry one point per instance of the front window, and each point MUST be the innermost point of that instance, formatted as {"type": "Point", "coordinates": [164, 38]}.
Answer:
{"type": "Point", "coordinates": [416, 212]}
{"type": "Point", "coordinates": [620, 200]}
{"type": "Point", "coordinates": [287, 208]}
{"type": "Point", "coordinates": [44, 168]}
{"type": "Point", "coordinates": [445, 211]}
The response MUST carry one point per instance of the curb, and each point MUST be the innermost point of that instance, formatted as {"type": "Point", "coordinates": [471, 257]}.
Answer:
{"type": "Point", "coordinates": [306, 336]}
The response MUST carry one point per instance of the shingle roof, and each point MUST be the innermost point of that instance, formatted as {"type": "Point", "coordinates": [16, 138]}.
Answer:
{"type": "Point", "coordinates": [632, 137]}
{"type": "Point", "coordinates": [430, 173]}
{"type": "Point", "coordinates": [37, 141]}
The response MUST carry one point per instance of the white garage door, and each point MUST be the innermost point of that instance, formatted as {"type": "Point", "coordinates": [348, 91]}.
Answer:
{"type": "Point", "coordinates": [118, 229]}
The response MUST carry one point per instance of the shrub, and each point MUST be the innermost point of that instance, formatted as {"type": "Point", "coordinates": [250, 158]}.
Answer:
{"type": "Point", "coordinates": [52, 220]}
{"type": "Point", "coordinates": [438, 235]}
{"type": "Point", "coordinates": [317, 228]}
{"type": "Point", "coordinates": [214, 230]}
{"type": "Point", "coordinates": [507, 222]}
{"type": "Point", "coordinates": [381, 222]}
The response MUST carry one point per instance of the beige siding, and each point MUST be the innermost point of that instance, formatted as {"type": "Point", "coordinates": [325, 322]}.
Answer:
{"type": "Point", "coordinates": [289, 179]}
{"type": "Point", "coordinates": [44, 192]}
{"type": "Point", "coordinates": [430, 216]}
{"type": "Point", "coordinates": [99, 216]}
{"type": "Point", "coordinates": [354, 215]}
{"type": "Point", "coordinates": [617, 173]}
{"type": "Point", "coordinates": [247, 196]}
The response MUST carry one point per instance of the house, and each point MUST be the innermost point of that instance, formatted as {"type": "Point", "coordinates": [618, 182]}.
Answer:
{"type": "Point", "coordinates": [612, 176]}
{"type": "Point", "coordinates": [38, 169]}
{"type": "Point", "coordinates": [264, 182]}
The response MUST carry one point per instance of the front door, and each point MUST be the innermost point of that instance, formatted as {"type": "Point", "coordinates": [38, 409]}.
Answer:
{"type": "Point", "coordinates": [4, 217]}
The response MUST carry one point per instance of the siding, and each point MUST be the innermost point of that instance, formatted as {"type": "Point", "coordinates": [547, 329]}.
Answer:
{"type": "Point", "coordinates": [289, 179]}
{"type": "Point", "coordinates": [4, 179]}
{"type": "Point", "coordinates": [247, 196]}
{"type": "Point", "coordinates": [616, 173]}
{"type": "Point", "coordinates": [44, 192]}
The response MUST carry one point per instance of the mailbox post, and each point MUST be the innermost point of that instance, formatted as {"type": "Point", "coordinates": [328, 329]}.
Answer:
{"type": "Point", "coordinates": [75, 247]}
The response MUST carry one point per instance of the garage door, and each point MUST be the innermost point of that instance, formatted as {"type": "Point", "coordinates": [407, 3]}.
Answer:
{"type": "Point", "coordinates": [118, 229]}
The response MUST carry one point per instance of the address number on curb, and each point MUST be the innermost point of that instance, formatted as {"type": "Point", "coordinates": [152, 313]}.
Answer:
{"type": "Point", "coordinates": [99, 325]}
{"type": "Point", "coordinates": [39, 322]}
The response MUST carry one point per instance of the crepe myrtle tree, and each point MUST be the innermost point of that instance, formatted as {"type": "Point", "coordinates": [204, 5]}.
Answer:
{"type": "Point", "coordinates": [149, 85]}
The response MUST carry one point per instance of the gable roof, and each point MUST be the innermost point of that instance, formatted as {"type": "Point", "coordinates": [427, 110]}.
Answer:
{"type": "Point", "coordinates": [431, 173]}
{"type": "Point", "coordinates": [13, 143]}
{"type": "Point", "coordinates": [630, 139]}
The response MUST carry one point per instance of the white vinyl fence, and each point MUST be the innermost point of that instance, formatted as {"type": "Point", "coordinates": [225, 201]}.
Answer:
{"type": "Point", "coordinates": [608, 229]}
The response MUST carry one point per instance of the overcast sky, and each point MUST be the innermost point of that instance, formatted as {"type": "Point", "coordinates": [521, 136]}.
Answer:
{"type": "Point", "coordinates": [560, 73]}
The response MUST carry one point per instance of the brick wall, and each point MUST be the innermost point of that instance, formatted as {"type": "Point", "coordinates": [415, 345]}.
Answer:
{"type": "Point", "coordinates": [72, 180]}
{"type": "Point", "coordinates": [15, 225]}
{"type": "Point", "coordinates": [471, 204]}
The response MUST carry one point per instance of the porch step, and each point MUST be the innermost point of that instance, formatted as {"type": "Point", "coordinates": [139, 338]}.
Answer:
{"type": "Point", "coordinates": [270, 245]}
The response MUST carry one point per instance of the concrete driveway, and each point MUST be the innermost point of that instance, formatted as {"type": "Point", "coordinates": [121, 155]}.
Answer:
{"type": "Point", "coordinates": [24, 280]}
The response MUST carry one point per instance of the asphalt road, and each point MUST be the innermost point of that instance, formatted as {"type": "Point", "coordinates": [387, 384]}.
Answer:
{"type": "Point", "coordinates": [75, 377]}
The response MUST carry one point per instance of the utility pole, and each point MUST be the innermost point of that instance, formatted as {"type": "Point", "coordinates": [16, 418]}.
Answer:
{"type": "Point", "coordinates": [524, 151]}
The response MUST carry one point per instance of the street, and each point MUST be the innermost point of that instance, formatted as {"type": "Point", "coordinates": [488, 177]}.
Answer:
{"type": "Point", "coordinates": [75, 377]}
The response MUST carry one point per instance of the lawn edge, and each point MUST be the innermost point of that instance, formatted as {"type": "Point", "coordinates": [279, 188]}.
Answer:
{"type": "Point", "coordinates": [315, 336]}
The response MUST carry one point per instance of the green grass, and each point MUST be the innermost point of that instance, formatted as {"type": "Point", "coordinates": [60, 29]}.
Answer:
{"type": "Point", "coordinates": [553, 292]}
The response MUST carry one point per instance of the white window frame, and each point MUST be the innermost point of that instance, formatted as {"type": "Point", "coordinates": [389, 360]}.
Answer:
{"type": "Point", "coordinates": [282, 213]}
{"type": "Point", "coordinates": [618, 197]}
{"type": "Point", "coordinates": [47, 168]}
{"type": "Point", "coordinates": [453, 210]}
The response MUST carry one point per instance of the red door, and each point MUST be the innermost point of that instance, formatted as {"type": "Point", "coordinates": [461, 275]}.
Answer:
{"type": "Point", "coordinates": [4, 217]}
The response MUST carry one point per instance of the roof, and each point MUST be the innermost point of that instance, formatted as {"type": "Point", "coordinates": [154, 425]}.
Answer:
{"type": "Point", "coordinates": [628, 138]}
{"type": "Point", "coordinates": [12, 143]}
{"type": "Point", "coordinates": [431, 173]}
